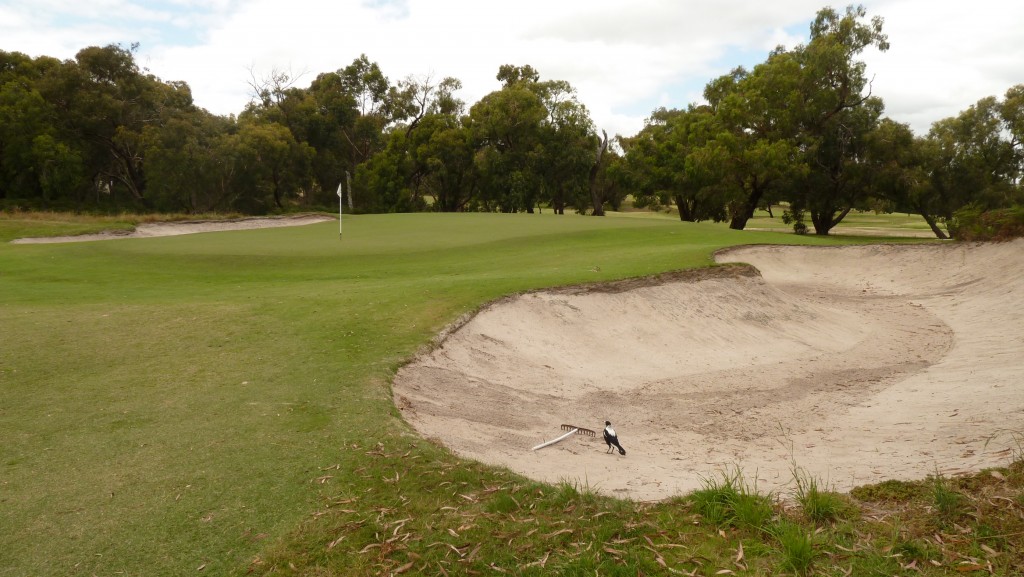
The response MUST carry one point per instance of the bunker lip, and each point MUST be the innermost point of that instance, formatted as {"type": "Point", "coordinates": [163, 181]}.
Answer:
{"type": "Point", "coordinates": [854, 364]}
{"type": "Point", "coordinates": [155, 229]}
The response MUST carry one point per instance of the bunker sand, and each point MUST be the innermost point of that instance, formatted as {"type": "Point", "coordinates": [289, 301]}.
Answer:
{"type": "Point", "coordinates": [856, 364]}
{"type": "Point", "coordinates": [149, 230]}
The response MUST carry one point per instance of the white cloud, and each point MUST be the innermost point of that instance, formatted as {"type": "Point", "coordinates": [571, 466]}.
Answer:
{"type": "Point", "coordinates": [623, 58]}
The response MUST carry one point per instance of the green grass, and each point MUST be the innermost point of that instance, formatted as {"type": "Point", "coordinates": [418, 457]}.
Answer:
{"type": "Point", "coordinates": [818, 504]}
{"type": "Point", "coordinates": [856, 222]}
{"type": "Point", "coordinates": [219, 404]}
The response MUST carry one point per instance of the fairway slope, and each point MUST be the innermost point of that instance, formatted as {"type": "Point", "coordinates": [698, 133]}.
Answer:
{"type": "Point", "coordinates": [856, 364]}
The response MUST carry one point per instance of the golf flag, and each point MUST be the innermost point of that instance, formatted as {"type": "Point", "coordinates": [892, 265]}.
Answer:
{"type": "Point", "coordinates": [340, 203]}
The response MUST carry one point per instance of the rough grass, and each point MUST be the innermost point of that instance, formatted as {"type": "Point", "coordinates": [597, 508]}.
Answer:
{"type": "Point", "coordinates": [219, 404]}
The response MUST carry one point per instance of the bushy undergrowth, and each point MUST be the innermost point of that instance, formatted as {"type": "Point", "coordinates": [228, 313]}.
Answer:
{"type": "Point", "coordinates": [974, 224]}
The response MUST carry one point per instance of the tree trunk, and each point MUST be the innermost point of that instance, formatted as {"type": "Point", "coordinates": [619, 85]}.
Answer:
{"type": "Point", "coordinates": [685, 210]}
{"type": "Point", "coordinates": [934, 226]}
{"type": "Point", "coordinates": [746, 212]}
{"type": "Point", "coordinates": [825, 220]}
{"type": "Point", "coordinates": [597, 202]}
{"type": "Point", "coordinates": [348, 190]}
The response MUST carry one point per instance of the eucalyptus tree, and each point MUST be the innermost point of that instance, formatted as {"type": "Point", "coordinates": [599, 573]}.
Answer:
{"type": "Point", "coordinates": [794, 126]}
{"type": "Point", "coordinates": [974, 159]}
{"type": "Point", "coordinates": [600, 165]}
{"type": "Point", "coordinates": [535, 141]}
{"type": "Point", "coordinates": [568, 147]}
{"type": "Point", "coordinates": [754, 143]}
{"type": "Point", "coordinates": [838, 112]}
{"type": "Point", "coordinates": [75, 129]}
{"type": "Point", "coordinates": [344, 115]}
{"type": "Point", "coordinates": [194, 164]}
{"type": "Point", "coordinates": [1012, 113]}
{"type": "Point", "coordinates": [427, 155]}
{"type": "Point", "coordinates": [897, 168]}
{"type": "Point", "coordinates": [674, 159]}
{"type": "Point", "coordinates": [36, 160]}
{"type": "Point", "coordinates": [109, 102]}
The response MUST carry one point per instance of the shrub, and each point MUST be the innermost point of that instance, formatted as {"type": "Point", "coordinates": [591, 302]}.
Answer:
{"type": "Point", "coordinates": [974, 224]}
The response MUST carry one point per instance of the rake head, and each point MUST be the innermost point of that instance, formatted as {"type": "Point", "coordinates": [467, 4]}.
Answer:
{"type": "Point", "coordinates": [579, 430]}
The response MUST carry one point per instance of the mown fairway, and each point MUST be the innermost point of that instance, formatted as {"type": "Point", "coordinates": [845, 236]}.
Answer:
{"type": "Point", "coordinates": [183, 404]}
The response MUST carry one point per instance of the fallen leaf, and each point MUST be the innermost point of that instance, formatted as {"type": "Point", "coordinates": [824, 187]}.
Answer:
{"type": "Point", "coordinates": [557, 533]}
{"type": "Point", "coordinates": [989, 550]}
{"type": "Point", "coordinates": [404, 568]}
{"type": "Point", "coordinates": [539, 562]}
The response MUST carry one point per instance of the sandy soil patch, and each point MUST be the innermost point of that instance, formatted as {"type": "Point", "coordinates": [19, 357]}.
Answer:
{"type": "Point", "coordinates": [184, 227]}
{"type": "Point", "coordinates": [857, 364]}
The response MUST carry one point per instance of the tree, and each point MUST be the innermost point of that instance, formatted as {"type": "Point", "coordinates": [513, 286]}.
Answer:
{"type": "Point", "coordinates": [754, 144]}
{"type": "Point", "coordinates": [972, 158]}
{"type": "Point", "coordinates": [192, 163]}
{"type": "Point", "coordinates": [567, 147]}
{"type": "Point", "coordinates": [29, 138]}
{"type": "Point", "coordinates": [535, 142]}
{"type": "Point", "coordinates": [596, 197]}
{"type": "Point", "coordinates": [795, 125]}
{"type": "Point", "coordinates": [838, 112]}
{"type": "Point", "coordinates": [279, 165]}
{"type": "Point", "coordinates": [443, 147]}
{"type": "Point", "coordinates": [429, 153]}
{"type": "Point", "coordinates": [896, 169]}
{"type": "Point", "coordinates": [506, 130]}
{"type": "Point", "coordinates": [673, 158]}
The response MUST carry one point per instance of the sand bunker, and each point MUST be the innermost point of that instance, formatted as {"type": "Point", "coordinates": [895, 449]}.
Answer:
{"type": "Point", "coordinates": [184, 227]}
{"type": "Point", "coordinates": [857, 364]}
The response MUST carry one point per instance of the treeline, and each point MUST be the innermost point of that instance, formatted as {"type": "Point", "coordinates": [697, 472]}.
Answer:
{"type": "Point", "coordinates": [98, 133]}
{"type": "Point", "coordinates": [802, 128]}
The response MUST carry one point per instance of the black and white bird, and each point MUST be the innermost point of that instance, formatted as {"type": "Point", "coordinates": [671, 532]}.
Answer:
{"type": "Point", "coordinates": [612, 439]}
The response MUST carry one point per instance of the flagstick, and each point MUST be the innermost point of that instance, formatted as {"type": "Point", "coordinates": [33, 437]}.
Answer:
{"type": "Point", "coordinates": [341, 202]}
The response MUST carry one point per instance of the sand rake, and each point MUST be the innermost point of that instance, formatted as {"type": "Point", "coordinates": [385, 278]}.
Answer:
{"type": "Point", "coordinates": [573, 430]}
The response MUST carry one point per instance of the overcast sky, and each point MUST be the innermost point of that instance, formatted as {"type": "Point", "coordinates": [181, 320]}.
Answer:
{"type": "Point", "coordinates": [624, 58]}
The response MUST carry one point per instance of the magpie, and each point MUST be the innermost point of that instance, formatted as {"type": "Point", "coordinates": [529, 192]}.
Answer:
{"type": "Point", "coordinates": [612, 439]}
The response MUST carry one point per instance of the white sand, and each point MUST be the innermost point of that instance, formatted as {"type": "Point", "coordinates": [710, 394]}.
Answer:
{"type": "Point", "coordinates": [184, 227]}
{"type": "Point", "coordinates": [856, 364]}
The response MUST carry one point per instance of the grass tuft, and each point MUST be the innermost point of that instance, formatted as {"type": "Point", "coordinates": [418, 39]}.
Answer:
{"type": "Point", "coordinates": [819, 505]}
{"type": "Point", "coordinates": [796, 546]}
{"type": "Point", "coordinates": [728, 500]}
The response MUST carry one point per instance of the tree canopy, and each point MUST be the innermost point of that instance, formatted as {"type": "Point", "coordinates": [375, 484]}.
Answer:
{"type": "Point", "coordinates": [802, 128]}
